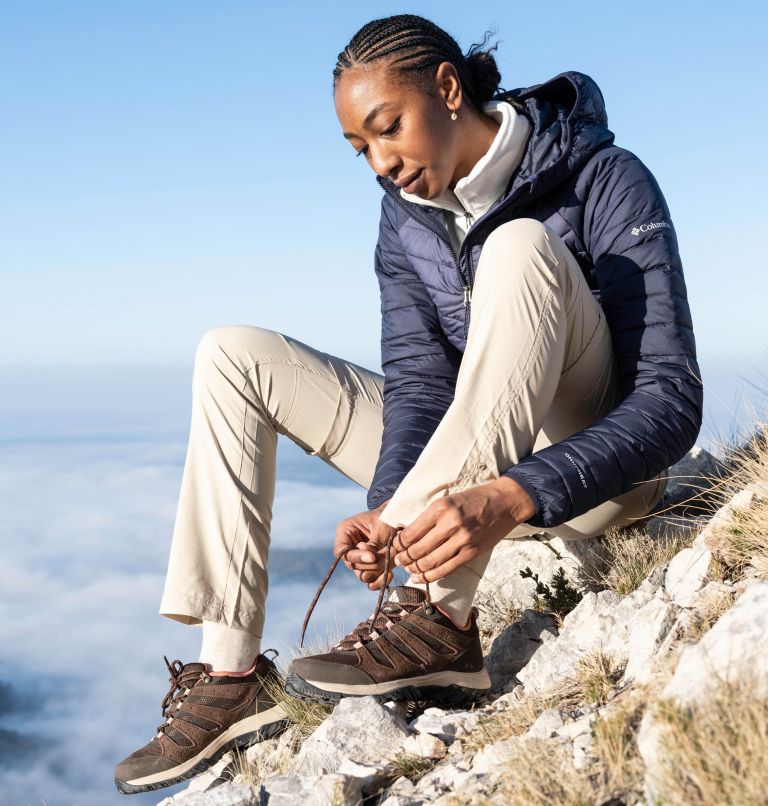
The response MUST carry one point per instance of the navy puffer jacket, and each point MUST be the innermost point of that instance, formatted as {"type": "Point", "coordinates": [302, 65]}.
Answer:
{"type": "Point", "coordinates": [608, 209]}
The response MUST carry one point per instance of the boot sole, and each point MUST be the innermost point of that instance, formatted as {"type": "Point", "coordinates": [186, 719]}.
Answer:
{"type": "Point", "coordinates": [247, 731]}
{"type": "Point", "coordinates": [426, 688]}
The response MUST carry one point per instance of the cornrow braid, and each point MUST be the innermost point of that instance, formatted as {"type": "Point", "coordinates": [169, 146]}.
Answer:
{"type": "Point", "coordinates": [414, 46]}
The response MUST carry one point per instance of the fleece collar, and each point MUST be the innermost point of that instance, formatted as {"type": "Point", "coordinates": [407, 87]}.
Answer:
{"type": "Point", "coordinates": [489, 177]}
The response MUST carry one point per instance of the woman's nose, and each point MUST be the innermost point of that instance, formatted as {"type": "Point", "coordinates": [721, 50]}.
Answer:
{"type": "Point", "coordinates": [384, 162]}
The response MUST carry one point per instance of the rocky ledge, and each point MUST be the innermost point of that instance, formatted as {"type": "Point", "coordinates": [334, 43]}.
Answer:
{"type": "Point", "coordinates": [629, 669]}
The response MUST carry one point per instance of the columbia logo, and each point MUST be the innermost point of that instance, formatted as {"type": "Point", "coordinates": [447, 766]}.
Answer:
{"type": "Point", "coordinates": [649, 227]}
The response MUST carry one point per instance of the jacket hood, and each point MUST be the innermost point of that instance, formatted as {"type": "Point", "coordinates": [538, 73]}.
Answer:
{"type": "Point", "coordinates": [569, 123]}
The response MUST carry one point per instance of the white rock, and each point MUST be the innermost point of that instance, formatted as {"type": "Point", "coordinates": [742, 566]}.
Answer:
{"type": "Point", "coordinates": [442, 778]}
{"type": "Point", "coordinates": [359, 729]}
{"type": "Point", "coordinates": [546, 724]}
{"type": "Point", "coordinates": [494, 755]}
{"type": "Point", "coordinates": [205, 780]}
{"type": "Point", "coordinates": [648, 630]}
{"type": "Point", "coordinates": [543, 557]}
{"type": "Point", "coordinates": [365, 775]}
{"type": "Point", "coordinates": [515, 645]}
{"type": "Point", "coordinates": [424, 745]}
{"type": "Point", "coordinates": [508, 700]}
{"type": "Point", "coordinates": [687, 573]}
{"type": "Point", "coordinates": [579, 727]}
{"type": "Point", "coordinates": [600, 622]}
{"type": "Point", "coordinates": [582, 747]}
{"type": "Point", "coordinates": [710, 594]}
{"type": "Point", "coordinates": [223, 795]}
{"type": "Point", "coordinates": [447, 726]}
{"type": "Point", "coordinates": [734, 649]}
{"type": "Point", "coordinates": [289, 790]}
{"type": "Point", "coordinates": [398, 800]}
{"type": "Point", "coordinates": [402, 786]}
{"type": "Point", "coordinates": [712, 534]}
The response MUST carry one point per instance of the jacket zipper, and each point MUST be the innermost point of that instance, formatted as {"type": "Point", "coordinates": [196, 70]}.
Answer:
{"type": "Point", "coordinates": [464, 284]}
{"type": "Point", "coordinates": [468, 288]}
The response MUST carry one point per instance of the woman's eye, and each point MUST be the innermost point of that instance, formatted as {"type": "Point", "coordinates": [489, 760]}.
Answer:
{"type": "Point", "coordinates": [393, 128]}
{"type": "Point", "coordinates": [388, 132]}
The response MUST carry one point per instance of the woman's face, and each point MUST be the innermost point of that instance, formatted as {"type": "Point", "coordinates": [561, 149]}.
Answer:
{"type": "Point", "coordinates": [400, 130]}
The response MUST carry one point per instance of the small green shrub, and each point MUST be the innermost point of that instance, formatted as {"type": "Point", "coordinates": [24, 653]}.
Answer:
{"type": "Point", "coordinates": [558, 597]}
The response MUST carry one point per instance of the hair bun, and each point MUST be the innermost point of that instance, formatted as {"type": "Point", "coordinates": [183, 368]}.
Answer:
{"type": "Point", "coordinates": [484, 74]}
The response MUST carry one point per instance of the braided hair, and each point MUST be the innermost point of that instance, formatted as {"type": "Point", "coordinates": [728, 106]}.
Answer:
{"type": "Point", "coordinates": [415, 46]}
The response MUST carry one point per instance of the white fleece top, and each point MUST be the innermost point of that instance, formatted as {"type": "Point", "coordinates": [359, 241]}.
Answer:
{"type": "Point", "coordinates": [477, 191]}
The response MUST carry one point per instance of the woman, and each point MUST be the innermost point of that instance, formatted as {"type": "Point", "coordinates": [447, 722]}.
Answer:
{"type": "Point", "coordinates": [539, 374]}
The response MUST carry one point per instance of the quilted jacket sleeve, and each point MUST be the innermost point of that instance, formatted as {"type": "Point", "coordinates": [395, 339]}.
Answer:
{"type": "Point", "coordinates": [643, 294]}
{"type": "Point", "coordinates": [420, 365]}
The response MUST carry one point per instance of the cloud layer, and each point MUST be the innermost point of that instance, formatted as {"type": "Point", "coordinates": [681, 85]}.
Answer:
{"type": "Point", "coordinates": [86, 527]}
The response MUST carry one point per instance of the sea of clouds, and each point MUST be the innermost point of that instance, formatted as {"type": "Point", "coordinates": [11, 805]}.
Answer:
{"type": "Point", "coordinates": [85, 525]}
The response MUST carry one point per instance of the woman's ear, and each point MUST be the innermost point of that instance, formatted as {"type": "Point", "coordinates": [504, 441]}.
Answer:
{"type": "Point", "coordinates": [448, 85]}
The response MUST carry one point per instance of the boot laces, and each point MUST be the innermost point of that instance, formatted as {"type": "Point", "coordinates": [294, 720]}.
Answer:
{"type": "Point", "coordinates": [182, 680]}
{"type": "Point", "coordinates": [383, 617]}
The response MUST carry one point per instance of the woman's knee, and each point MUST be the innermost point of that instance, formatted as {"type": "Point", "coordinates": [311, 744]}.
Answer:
{"type": "Point", "coordinates": [520, 234]}
{"type": "Point", "coordinates": [519, 250]}
{"type": "Point", "coordinates": [522, 243]}
{"type": "Point", "coordinates": [241, 345]}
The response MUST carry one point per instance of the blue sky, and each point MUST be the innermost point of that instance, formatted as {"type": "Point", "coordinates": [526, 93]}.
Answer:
{"type": "Point", "coordinates": [171, 166]}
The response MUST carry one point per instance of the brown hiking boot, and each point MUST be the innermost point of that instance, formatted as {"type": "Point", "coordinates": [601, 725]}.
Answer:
{"type": "Point", "coordinates": [205, 715]}
{"type": "Point", "coordinates": [408, 650]}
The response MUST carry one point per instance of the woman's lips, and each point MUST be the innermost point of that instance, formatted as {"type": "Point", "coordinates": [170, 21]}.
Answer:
{"type": "Point", "coordinates": [411, 186]}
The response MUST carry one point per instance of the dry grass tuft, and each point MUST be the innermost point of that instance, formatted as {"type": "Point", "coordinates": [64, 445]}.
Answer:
{"type": "Point", "coordinates": [632, 554]}
{"type": "Point", "coordinates": [405, 765]}
{"type": "Point", "coordinates": [704, 617]}
{"type": "Point", "coordinates": [516, 719]}
{"type": "Point", "coordinates": [254, 773]}
{"type": "Point", "coordinates": [744, 541]}
{"type": "Point", "coordinates": [304, 716]}
{"type": "Point", "coordinates": [495, 613]}
{"type": "Point", "coordinates": [540, 773]}
{"type": "Point", "coordinates": [715, 753]}
{"type": "Point", "coordinates": [596, 676]}
{"type": "Point", "coordinates": [619, 766]}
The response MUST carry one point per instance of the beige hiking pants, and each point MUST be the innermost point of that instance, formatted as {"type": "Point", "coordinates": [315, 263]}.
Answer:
{"type": "Point", "coordinates": [538, 367]}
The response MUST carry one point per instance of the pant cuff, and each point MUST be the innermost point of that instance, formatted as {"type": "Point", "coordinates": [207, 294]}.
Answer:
{"type": "Point", "coordinates": [194, 608]}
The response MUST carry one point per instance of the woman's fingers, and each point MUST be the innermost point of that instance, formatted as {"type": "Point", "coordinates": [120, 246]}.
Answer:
{"type": "Point", "coordinates": [446, 568]}
{"type": "Point", "coordinates": [423, 547]}
{"type": "Point", "coordinates": [379, 581]}
{"type": "Point", "coordinates": [363, 556]}
{"type": "Point", "coordinates": [434, 559]}
{"type": "Point", "coordinates": [415, 531]}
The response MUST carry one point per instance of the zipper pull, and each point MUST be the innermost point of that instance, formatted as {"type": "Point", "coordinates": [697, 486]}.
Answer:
{"type": "Point", "coordinates": [468, 219]}
{"type": "Point", "coordinates": [467, 295]}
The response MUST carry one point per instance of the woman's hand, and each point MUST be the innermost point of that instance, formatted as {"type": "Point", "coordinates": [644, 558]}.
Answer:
{"type": "Point", "coordinates": [369, 535]}
{"type": "Point", "coordinates": [454, 530]}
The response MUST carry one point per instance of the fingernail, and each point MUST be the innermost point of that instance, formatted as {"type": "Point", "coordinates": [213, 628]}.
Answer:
{"type": "Point", "coordinates": [397, 561]}
{"type": "Point", "coordinates": [367, 558]}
